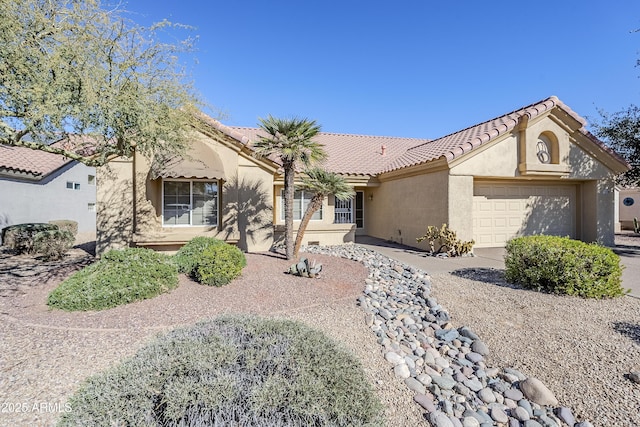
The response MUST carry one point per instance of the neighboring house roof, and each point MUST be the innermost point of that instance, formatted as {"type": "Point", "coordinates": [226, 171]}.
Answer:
{"type": "Point", "coordinates": [34, 163]}
{"type": "Point", "coordinates": [363, 155]}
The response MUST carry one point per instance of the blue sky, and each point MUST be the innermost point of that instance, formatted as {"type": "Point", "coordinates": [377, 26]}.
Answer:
{"type": "Point", "coordinates": [409, 68]}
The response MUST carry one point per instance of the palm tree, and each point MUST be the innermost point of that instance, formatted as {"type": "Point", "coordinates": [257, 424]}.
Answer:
{"type": "Point", "coordinates": [292, 141]}
{"type": "Point", "coordinates": [321, 183]}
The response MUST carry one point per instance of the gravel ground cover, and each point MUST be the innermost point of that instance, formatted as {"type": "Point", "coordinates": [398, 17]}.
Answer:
{"type": "Point", "coordinates": [581, 349]}
{"type": "Point", "coordinates": [46, 354]}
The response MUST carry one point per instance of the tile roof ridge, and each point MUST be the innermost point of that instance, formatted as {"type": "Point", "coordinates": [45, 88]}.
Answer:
{"type": "Point", "coordinates": [374, 136]}
{"type": "Point", "coordinates": [345, 134]}
{"type": "Point", "coordinates": [227, 130]}
{"type": "Point", "coordinates": [522, 110]}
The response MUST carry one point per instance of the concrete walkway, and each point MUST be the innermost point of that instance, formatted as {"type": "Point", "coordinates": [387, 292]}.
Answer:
{"type": "Point", "coordinates": [488, 258]}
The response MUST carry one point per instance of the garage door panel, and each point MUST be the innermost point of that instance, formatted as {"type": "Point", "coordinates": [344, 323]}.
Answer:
{"type": "Point", "coordinates": [504, 211]}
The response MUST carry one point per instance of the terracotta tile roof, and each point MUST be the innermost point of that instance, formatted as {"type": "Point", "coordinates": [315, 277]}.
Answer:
{"type": "Point", "coordinates": [456, 144]}
{"type": "Point", "coordinates": [34, 162]}
{"type": "Point", "coordinates": [354, 154]}
{"type": "Point", "coordinates": [363, 155]}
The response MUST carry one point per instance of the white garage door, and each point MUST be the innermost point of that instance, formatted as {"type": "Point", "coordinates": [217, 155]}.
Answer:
{"type": "Point", "coordinates": [503, 211]}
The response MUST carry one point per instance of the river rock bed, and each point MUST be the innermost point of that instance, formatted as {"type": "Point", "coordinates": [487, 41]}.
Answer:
{"type": "Point", "coordinates": [444, 366]}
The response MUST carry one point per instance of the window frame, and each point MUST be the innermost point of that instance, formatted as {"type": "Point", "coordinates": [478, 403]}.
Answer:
{"type": "Point", "coordinates": [356, 214]}
{"type": "Point", "coordinates": [303, 206]}
{"type": "Point", "coordinates": [218, 212]}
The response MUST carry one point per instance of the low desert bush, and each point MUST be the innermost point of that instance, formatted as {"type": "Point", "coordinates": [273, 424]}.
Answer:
{"type": "Point", "coordinates": [446, 241]}
{"type": "Point", "coordinates": [119, 277]}
{"type": "Point", "coordinates": [231, 371]}
{"type": "Point", "coordinates": [19, 237]}
{"type": "Point", "coordinates": [210, 261]}
{"type": "Point", "coordinates": [187, 257]}
{"type": "Point", "coordinates": [564, 266]}
{"type": "Point", "coordinates": [53, 244]}
{"type": "Point", "coordinates": [66, 224]}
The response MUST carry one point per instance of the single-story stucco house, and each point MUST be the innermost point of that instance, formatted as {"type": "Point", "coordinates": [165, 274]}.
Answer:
{"type": "Point", "coordinates": [535, 170]}
{"type": "Point", "coordinates": [36, 186]}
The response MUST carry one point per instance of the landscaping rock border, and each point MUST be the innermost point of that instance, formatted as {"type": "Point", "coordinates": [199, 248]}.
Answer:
{"type": "Point", "coordinates": [444, 366]}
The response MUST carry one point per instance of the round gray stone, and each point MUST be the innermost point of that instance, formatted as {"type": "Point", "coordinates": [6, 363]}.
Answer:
{"type": "Point", "coordinates": [470, 422]}
{"type": "Point", "coordinates": [480, 348]}
{"type": "Point", "coordinates": [513, 394]}
{"type": "Point", "coordinates": [524, 403]}
{"type": "Point", "coordinates": [394, 358]}
{"type": "Point", "coordinates": [498, 415]}
{"type": "Point", "coordinates": [520, 414]}
{"type": "Point", "coordinates": [473, 384]}
{"type": "Point", "coordinates": [445, 383]}
{"type": "Point", "coordinates": [474, 357]}
{"type": "Point", "coordinates": [486, 395]}
{"type": "Point", "coordinates": [440, 419]}
{"type": "Point", "coordinates": [565, 415]}
{"type": "Point", "coordinates": [415, 385]}
{"type": "Point", "coordinates": [402, 371]}
{"type": "Point", "coordinates": [537, 392]}
{"type": "Point", "coordinates": [426, 401]}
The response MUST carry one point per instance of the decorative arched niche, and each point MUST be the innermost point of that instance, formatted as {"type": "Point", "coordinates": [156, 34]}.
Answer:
{"type": "Point", "coordinates": [547, 149]}
{"type": "Point", "coordinates": [542, 156]}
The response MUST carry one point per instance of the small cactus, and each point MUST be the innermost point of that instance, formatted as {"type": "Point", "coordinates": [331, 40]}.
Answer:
{"type": "Point", "coordinates": [303, 269]}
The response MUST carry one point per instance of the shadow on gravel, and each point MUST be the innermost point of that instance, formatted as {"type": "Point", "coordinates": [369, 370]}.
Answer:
{"type": "Point", "coordinates": [492, 276]}
{"type": "Point", "coordinates": [629, 330]}
{"type": "Point", "coordinates": [19, 273]}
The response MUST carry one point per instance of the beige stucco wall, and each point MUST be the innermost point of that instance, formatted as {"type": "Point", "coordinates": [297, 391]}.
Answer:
{"type": "Point", "coordinates": [460, 206]}
{"type": "Point", "coordinates": [402, 208]}
{"type": "Point", "coordinates": [514, 157]}
{"type": "Point", "coordinates": [323, 232]}
{"type": "Point", "coordinates": [246, 204]}
{"type": "Point", "coordinates": [114, 206]}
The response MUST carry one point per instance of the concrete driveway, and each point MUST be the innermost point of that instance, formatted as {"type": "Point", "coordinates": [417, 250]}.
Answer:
{"type": "Point", "coordinates": [489, 258]}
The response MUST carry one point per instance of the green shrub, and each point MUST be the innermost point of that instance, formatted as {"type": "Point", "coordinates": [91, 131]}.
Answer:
{"type": "Point", "coordinates": [564, 266]}
{"type": "Point", "coordinates": [119, 277]}
{"type": "Point", "coordinates": [188, 256]}
{"type": "Point", "coordinates": [53, 244]}
{"type": "Point", "coordinates": [235, 371]}
{"type": "Point", "coordinates": [219, 265]}
{"type": "Point", "coordinates": [210, 261]}
{"type": "Point", "coordinates": [66, 224]}
{"type": "Point", "coordinates": [19, 237]}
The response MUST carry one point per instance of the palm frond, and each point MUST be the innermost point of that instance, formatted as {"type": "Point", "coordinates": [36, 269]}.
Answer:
{"type": "Point", "coordinates": [324, 183]}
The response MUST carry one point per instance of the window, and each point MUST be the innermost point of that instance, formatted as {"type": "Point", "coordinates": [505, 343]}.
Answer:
{"type": "Point", "coordinates": [91, 207]}
{"type": "Point", "coordinates": [91, 179]}
{"type": "Point", "coordinates": [300, 202]}
{"type": "Point", "coordinates": [189, 203]}
{"type": "Point", "coordinates": [73, 185]}
{"type": "Point", "coordinates": [348, 212]}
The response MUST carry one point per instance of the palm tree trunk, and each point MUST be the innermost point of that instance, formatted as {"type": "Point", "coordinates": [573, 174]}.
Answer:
{"type": "Point", "coordinates": [314, 205]}
{"type": "Point", "coordinates": [289, 194]}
